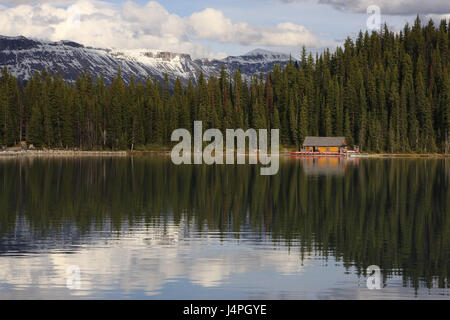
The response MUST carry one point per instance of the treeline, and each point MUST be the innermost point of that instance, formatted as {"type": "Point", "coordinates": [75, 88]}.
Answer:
{"type": "Point", "coordinates": [384, 91]}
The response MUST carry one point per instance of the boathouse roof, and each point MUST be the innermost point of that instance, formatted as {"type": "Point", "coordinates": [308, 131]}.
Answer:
{"type": "Point", "coordinates": [324, 142]}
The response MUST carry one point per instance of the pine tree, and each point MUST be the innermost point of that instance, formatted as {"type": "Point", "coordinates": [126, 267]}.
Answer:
{"type": "Point", "coordinates": [67, 123]}
{"type": "Point", "coordinates": [427, 134]}
{"type": "Point", "coordinates": [293, 122]}
{"type": "Point", "coordinates": [347, 128]}
{"type": "Point", "coordinates": [328, 121]}
{"type": "Point", "coordinates": [258, 120]}
{"type": "Point", "coordinates": [276, 119]}
{"type": "Point", "coordinates": [36, 132]}
{"type": "Point", "coordinates": [446, 113]}
{"type": "Point", "coordinates": [362, 134]}
{"type": "Point", "coordinates": [115, 126]}
{"type": "Point", "coordinates": [303, 120]}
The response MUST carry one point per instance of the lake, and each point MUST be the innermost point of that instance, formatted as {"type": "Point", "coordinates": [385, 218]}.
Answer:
{"type": "Point", "coordinates": [140, 227]}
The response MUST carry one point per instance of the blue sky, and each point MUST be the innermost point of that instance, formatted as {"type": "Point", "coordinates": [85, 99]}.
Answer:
{"type": "Point", "coordinates": [208, 28]}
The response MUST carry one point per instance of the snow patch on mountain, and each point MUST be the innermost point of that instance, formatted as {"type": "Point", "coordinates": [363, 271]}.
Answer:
{"type": "Point", "coordinates": [23, 57]}
{"type": "Point", "coordinates": [262, 54]}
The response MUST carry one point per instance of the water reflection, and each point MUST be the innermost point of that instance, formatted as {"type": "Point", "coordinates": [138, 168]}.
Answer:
{"type": "Point", "coordinates": [142, 227]}
{"type": "Point", "coordinates": [326, 165]}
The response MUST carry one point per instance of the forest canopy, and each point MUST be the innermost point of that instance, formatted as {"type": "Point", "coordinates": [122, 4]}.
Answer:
{"type": "Point", "coordinates": [383, 91]}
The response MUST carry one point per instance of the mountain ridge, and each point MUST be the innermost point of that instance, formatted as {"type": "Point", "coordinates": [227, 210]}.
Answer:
{"type": "Point", "coordinates": [23, 56]}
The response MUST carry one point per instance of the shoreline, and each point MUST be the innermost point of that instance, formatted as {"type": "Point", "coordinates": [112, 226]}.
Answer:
{"type": "Point", "coordinates": [123, 153]}
{"type": "Point", "coordinates": [406, 155]}
{"type": "Point", "coordinates": [60, 153]}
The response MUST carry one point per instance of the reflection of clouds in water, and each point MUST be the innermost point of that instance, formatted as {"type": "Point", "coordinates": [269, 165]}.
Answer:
{"type": "Point", "coordinates": [145, 260]}
{"type": "Point", "coordinates": [213, 271]}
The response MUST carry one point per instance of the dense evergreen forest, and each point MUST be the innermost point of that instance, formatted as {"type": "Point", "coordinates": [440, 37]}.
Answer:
{"type": "Point", "coordinates": [384, 91]}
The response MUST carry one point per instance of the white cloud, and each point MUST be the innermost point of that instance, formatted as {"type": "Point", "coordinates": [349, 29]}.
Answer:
{"type": "Point", "coordinates": [211, 24]}
{"type": "Point", "coordinates": [132, 26]}
{"type": "Point", "coordinates": [388, 7]}
{"type": "Point", "coordinates": [18, 2]}
{"type": "Point", "coordinates": [392, 7]}
{"type": "Point", "coordinates": [438, 17]}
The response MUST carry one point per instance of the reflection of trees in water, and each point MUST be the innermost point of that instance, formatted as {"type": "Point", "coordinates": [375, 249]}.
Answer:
{"type": "Point", "coordinates": [392, 213]}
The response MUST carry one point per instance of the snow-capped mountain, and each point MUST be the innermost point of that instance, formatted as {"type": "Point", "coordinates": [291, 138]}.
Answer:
{"type": "Point", "coordinates": [23, 56]}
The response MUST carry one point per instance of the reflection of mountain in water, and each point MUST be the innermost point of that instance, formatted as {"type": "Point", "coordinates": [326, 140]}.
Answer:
{"type": "Point", "coordinates": [392, 213]}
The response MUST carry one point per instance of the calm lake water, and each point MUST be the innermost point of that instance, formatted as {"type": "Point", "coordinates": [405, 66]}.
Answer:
{"type": "Point", "coordinates": [144, 228]}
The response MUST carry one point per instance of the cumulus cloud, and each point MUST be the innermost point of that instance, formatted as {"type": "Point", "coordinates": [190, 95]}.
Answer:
{"type": "Point", "coordinates": [392, 7]}
{"type": "Point", "coordinates": [211, 24]}
{"type": "Point", "coordinates": [17, 2]}
{"type": "Point", "coordinates": [438, 17]}
{"type": "Point", "coordinates": [388, 7]}
{"type": "Point", "coordinates": [132, 26]}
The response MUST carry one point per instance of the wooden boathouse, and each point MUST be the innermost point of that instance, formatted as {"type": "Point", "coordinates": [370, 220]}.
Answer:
{"type": "Point", "coordinates": [325, 144]}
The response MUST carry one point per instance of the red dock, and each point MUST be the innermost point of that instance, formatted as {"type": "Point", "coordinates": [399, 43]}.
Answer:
{"type": "Point", "coordinates": [323, 154]}
{"type": "Point", "coordinates": [311, 153]}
